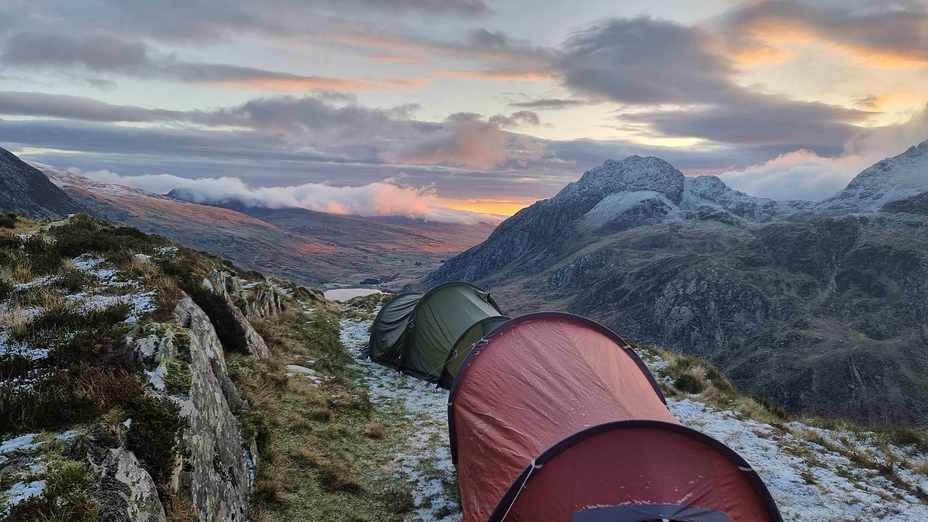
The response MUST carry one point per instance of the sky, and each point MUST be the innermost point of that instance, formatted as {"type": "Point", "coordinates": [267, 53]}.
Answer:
{"type": "Point", "coordinates": [445, 108]}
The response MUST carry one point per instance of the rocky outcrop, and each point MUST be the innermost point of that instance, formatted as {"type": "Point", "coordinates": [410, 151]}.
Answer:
{"type": "Point", "coordinates": [229, 289]}
{"type": "Point", "coordinates": [120, 487]}
{"type": "Point", "coordinates": [913, 205]}
{"type": "Point", "coordinates": [217, 466]}
{"type": "Point", "coordinates": [25, 190]}
{"type": "Point", "coordinates": [125, 491]}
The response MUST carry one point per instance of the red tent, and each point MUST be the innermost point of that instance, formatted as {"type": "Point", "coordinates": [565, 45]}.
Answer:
{"type": "Point", "coordinates": [554, 418]}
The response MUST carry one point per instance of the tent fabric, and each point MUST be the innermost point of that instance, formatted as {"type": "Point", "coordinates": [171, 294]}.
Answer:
{"type": "Point", "coordinates": [535, 381]}
{"type": "Point", "coordinates": [415, 333]}
{"type": "Point", "coordinates": [464, 344]}
{"type": "Point", "coordinates": [389, 328]}
{"type": "Point", "coordinates": [620, 468]}
{"type": "Point", "coordinates": [648, 513]}
{"type": "Point", "coordinates": [634, 463]}
{"type": "Point", "coordinates": [542, 379]}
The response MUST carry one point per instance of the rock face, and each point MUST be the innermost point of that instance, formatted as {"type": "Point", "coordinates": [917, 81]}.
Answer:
{"type": "Point", "coordinates": [217, 468]}
{"type": "Point", "coordinates": [763, 288]}
{"type": "Point", "coordinates": [126, 492]}
{"type": "Point", "coordinates": [25, 190]}
{"type": "Point", "coordinates": [230, 290]}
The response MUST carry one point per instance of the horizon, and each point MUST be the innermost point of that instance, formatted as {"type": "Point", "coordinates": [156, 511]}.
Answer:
{"type": "Point", "coordinates": [443, 109]}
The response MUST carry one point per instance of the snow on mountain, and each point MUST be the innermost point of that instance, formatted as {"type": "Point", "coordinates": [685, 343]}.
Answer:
{"type": "Point", "coordinates": [889, 180]}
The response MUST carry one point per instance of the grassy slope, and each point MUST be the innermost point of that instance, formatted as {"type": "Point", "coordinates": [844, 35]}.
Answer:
{"type": "Point", "coordinates": [324, 449]}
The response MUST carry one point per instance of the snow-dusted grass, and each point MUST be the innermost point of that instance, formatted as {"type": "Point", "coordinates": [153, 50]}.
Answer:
{"type": "Point", "coordinates": [425, 457]}
{"type": "Point", "coordinates": [813, 473]}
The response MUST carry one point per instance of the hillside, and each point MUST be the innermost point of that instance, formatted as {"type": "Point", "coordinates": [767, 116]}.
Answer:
{"type": "Point", "coordinates": [311, 247]}
{"type": "Point", "coordinates": [25, 190]}
{"type": "Point", "coordinates": [818, 310]}
{"type": "Point", "coordinates": [143, 381]}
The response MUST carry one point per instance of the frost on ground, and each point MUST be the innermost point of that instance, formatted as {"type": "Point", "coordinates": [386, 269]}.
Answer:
{"type": "Point", "coordinates": [815, 473]}
{"type": "Point", "coordinates": [426, 456]}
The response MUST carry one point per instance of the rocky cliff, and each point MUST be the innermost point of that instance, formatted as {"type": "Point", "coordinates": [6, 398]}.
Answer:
{"type": "Point", "coordinates": [819, 308]}
{"type": "Point", "coordinates": [115, 398]}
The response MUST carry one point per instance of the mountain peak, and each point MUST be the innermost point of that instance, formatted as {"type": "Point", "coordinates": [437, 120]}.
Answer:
{"type": "Point", "coordinates": [892, 179]}
{"type": "Point", "coordinates": [633, 174]}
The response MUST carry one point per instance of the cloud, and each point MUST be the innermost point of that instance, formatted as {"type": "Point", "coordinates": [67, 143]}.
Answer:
{"type": "Point", "coordinates": [882, 34]}
{"type": "Point", "coordinates": [79, 108]}
{"type": "Point", "coordinates": [383, 198]}
{"type": "Point", "coordinates": [516, 119]}
{"type": "Point", "coordinates": [528, 75]}
{"type": "Point", "coordinates": [644, 61]}
{"type": "Point", "coordinates": [110, 54]}
{"type": "Point", "coordinates": [673, 81]}
{"type": "Point", "coordinates": [803, 174]}
{"type": "Point", "coordinates": [465, 141]}
{"type": "Point", "coordinates": [544, 104]}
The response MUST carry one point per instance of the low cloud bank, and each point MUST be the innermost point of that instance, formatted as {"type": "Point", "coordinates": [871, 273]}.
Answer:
{"type": "Point", "coordinates": [803, 174]}
{"type": "Point", "coordinates": [383, 198]}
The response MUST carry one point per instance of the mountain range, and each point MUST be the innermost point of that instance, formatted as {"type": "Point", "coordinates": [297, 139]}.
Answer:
{"type": "Point", "coordinates": [303, 245]}
{"type": "Point", "coordinates": [819, 308]}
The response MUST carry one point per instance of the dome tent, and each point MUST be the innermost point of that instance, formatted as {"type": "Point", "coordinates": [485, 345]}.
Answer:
{"type": "Point", "coordinates": [465, 344]}
{"type": "Point", "coordinates": [553, 417]}
{"type": "Point", "coordinates": [415, 333]}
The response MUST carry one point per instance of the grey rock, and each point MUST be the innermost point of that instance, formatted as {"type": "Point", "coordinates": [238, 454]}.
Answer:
{"type": "Point", "coordinates": [217, 467]}
{"type": "Point", "coordinates": [229, 288]}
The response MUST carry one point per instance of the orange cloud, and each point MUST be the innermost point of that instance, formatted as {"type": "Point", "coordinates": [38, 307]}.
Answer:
{"type": "Point", "coordinates": [499, 74]}
{"type": "Point", "coordinates": [291, 84]}
{"type": "Point", "coordinates": [498, 207]}
{"type": "Point", "coordinates": [771, 36]}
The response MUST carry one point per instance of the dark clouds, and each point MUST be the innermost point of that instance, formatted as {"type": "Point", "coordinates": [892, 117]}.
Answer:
{"type": "Point", "coordinates": [886, 31]}
{"type": "Point", "coordinates": [110, 54]}
{"type": "Point", "coordinates": [648, 64]}
{"type": "Point", "coordinates": [548, 104]}
{"type": "Point", "coordinates": [644, 61]}
{"type": "Point", "coordinates": [516, 119]}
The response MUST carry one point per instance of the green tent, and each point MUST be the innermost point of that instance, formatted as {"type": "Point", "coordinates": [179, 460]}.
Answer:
{"type": "Point", "coordinates": [416, 332]}
{"type": "Point", "coordinates": [465, 343]}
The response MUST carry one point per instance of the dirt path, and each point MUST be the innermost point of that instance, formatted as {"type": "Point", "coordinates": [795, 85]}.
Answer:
{"type": "Point", "coordinates": [424, 458]}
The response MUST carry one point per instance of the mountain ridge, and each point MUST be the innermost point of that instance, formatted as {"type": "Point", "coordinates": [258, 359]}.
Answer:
{"type": "Point", "coordinates": [25, 190]}
{"type": "Point", "coordinates": [763, 288]}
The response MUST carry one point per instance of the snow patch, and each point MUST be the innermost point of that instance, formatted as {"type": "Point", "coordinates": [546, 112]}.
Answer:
{"type": "Point", "coordinates": [426, 457]}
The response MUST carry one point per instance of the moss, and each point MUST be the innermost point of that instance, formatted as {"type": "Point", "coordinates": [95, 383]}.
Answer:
{"type": "Point", "coordinates": [66, 497]}
{"type": "Point", "coordinates": [177, 378]}
{"type": "Point", "coordinates": [688, 384]}
{"type": "Point", "coordinates": [153, 435]}
{"type": "Point", "coordinates": [83, 234]}
{"type": "Point", "coordinates": [73, 280]}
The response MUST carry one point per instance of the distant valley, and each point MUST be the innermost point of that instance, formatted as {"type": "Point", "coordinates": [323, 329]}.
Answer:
{"type": "Point", "coordinates": [304, 245]}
